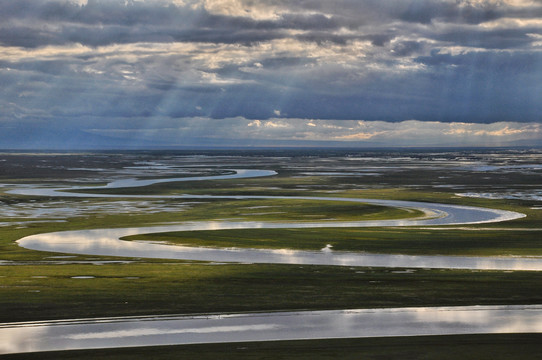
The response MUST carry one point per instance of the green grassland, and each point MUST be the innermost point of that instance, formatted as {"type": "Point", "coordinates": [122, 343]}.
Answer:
{"type": "Point", "coordinates": [41, 292]}
{"type": "Point", "coordinates": [417, 241]}
{"type": "Point", "coordinates": [34, 286]}
{"type": "Point", "coordinates": [296, 210]}
{"type": "Point", "coordinates": [518, 237]}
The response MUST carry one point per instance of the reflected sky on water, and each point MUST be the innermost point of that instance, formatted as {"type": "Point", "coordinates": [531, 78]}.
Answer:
{"type": "Point", "coordinates": [106, 241]}
{"type": "Point", "coordinates": [170, 330]}
{"type": "Point", "coordinates": [132, 182]}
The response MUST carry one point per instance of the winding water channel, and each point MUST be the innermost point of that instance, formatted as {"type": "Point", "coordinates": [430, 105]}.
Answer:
{"type": "Point", "coordinates": [121, 332]}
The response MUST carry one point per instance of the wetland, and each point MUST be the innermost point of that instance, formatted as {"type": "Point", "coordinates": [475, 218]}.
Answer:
{"type": "Point", "coordinates": [304, 187]}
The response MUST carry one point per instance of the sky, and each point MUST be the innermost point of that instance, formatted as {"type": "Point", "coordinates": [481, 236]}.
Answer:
{"type": "Point", "coordinates": [257, 73]}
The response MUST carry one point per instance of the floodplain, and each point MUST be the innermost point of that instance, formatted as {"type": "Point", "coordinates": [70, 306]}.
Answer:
{"type": "Point", "coordinates": [39, 285]}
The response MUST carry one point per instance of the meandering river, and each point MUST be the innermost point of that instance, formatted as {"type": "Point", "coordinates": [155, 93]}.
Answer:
{"type": "Point", "coordinates": [120, 332]}
{"type": "Point", "coordinates": [107, 241]}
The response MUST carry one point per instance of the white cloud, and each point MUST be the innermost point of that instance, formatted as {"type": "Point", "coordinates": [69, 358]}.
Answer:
{"type": "Point", "coordinates": [255, 10]}
{"type": "Point", "coordinates": [472, 65]}
{"type": "Point", "coordinates": [336, 132]}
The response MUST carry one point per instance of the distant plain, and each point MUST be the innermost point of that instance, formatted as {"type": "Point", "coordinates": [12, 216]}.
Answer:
{"type": "Point", "coordinates": [38, 286]}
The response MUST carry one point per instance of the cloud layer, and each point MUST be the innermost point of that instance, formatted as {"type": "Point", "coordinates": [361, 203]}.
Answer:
{"type": "Point", "coordinates": [109, 67]}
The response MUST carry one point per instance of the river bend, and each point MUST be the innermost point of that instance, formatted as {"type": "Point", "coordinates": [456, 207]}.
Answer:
{"type": "Point", "coordinates": [169, 330]}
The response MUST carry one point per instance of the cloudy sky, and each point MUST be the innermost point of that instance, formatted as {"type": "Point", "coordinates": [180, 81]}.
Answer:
{"type": "Point", "coordinates": [123, 73]}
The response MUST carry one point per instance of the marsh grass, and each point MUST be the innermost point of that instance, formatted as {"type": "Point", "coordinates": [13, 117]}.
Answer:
{"type": "Point", "coordinates": [41, 292]}
{"type": "Point", "coordinates": [419, 241]}
{"type": "Point", "coordinates": [36, 289]}
{"type": "Point", "coordinates": [298, 211]}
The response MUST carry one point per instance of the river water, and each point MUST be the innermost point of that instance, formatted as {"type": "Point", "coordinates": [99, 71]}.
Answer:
{"type": "Point", "coordinates": [169, 330]}
{"type": "Point", "coordinates": [106, 242]}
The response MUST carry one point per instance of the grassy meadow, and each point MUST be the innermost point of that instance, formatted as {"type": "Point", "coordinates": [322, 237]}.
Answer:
{"type": "Point", "coordinates": [40, 286]}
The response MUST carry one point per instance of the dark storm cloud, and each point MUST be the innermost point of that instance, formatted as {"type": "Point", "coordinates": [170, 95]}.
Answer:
{"type": "Point", "coordinates": [118, 12]}
{"type": "Point", "coordinates": [427, 11]}
{"type": "Point", "coordinates": [25, 36]}
{"type": "Point", "coordinates": [321, 37]}
{"type": "Point", "coordinates": [481, 87]}
{"type": "Point", "coordinates": [503, 62]}
{"type": "Point", "coordinates": [113, 64]}
{"type": "Point", "coordinates": [281, 62]}
{"type": "Point", "coordinates": [406, 48]}
{"type": "Point", "coordinates": [100, 23]}
{"type": "Point", "coordinates": [489, 39]}
{"type": "Point", "coordinates": [34, 23]}
{"type": "Point", "coordinates": [417, 11]}
{"type": "Point", "coordinates": [52, 67]}
{"type": "Point", "coordinates": [93, 13]}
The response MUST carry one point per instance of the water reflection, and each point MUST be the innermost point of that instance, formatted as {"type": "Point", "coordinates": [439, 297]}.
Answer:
{"type": "Point", "coordinates": [104, 333]}
{"type": "Point", "coordinates": [131, 182]}
{"type": "Point", "coordinates": [170, 330]}
{"type": "Point", "coordinates": [107, 242]}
